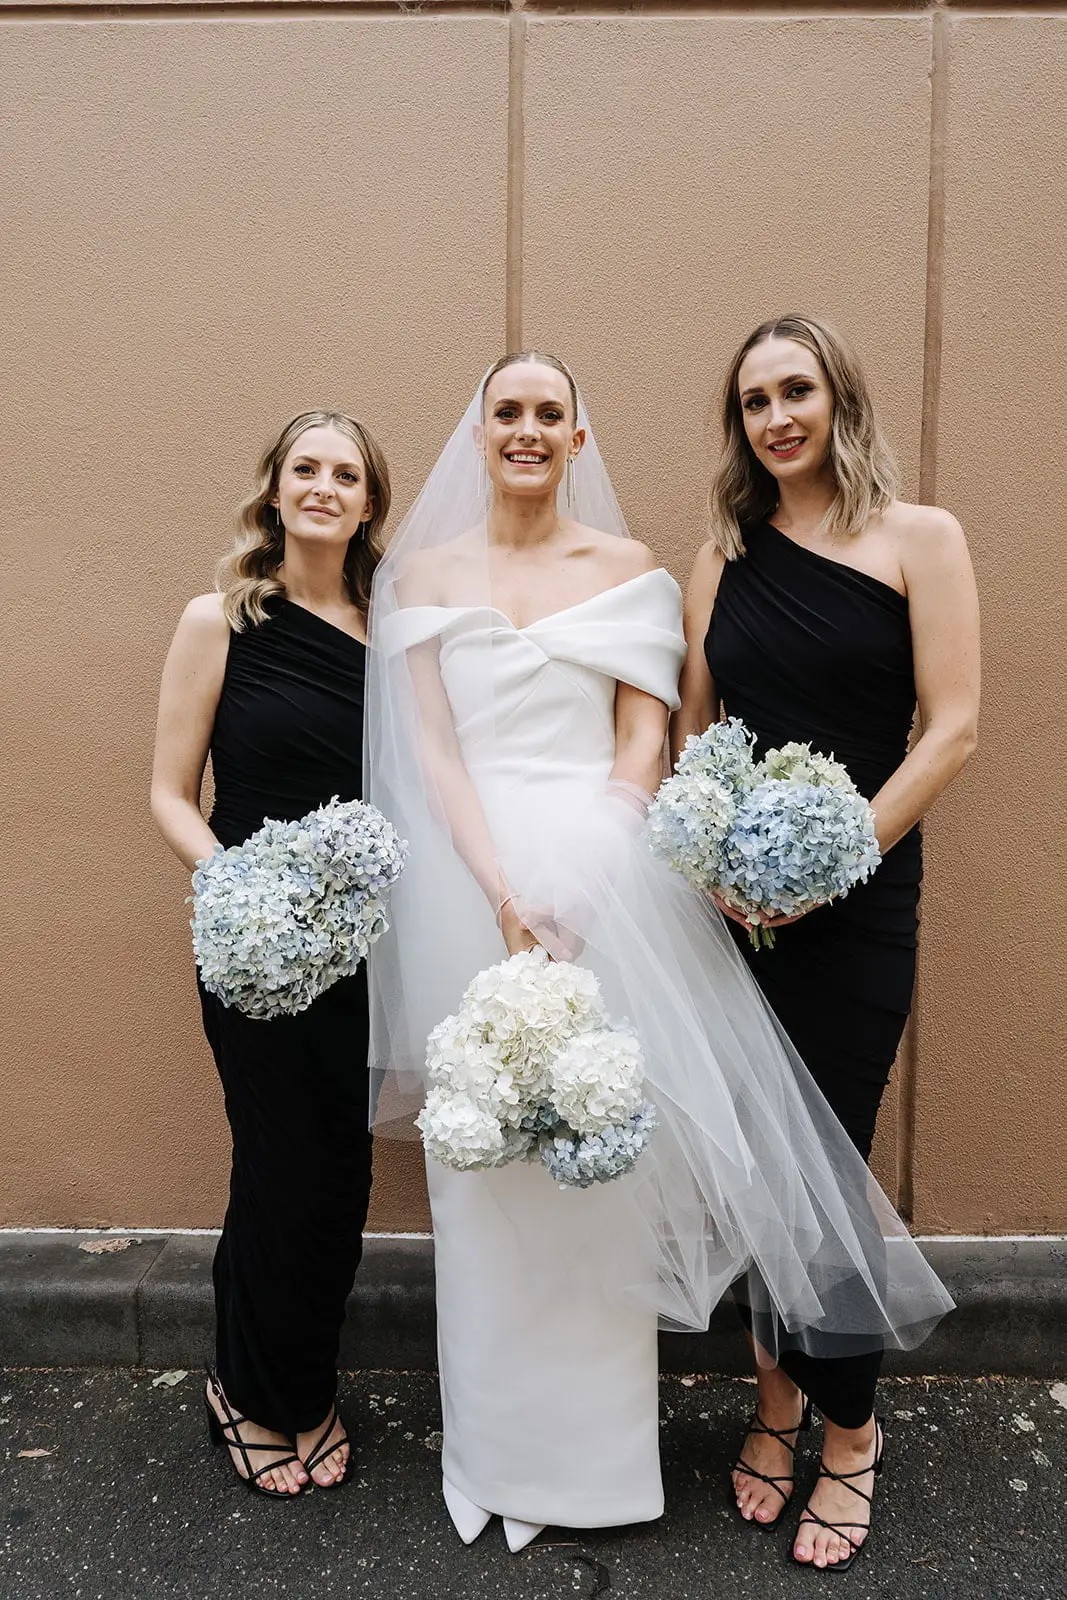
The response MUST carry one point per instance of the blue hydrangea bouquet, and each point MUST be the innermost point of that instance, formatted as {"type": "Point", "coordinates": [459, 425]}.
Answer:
{"type": "Point", "coordinates": [772, 837]}
{"type": "Point", "coordinates": [530, 1067]}
{"type": "Point", "coordinates": [279, 919]}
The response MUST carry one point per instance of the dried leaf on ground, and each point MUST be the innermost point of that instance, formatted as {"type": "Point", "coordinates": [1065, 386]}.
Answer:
{"type": "Point", "coordinates": [105, 1247]}
{"type": "Point", "coordinates": [169, 1379]}
{"type": "Point", "coordinates": [32, 1455]}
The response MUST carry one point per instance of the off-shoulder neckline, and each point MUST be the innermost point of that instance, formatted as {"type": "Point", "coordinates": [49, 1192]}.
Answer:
{"type": "Point", "coordinates": [563, 611]}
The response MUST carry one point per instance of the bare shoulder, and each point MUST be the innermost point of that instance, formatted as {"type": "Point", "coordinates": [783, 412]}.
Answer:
{"type": "Point", "coordinates": [635, 558]}
{"type": "Point", "coordinates": [203, 621]}
{"type": "Point", "coordinates": [918, 526]}
{"type": "Point", "coordinates": [620, 558]}
{"type": "Point", "coordinates": [928, 539]}
{"type": "Point", "coordinates": [429, 577]}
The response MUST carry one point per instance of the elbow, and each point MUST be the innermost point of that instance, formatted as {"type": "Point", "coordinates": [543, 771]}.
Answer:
{"type": "Point", "coordinates": [966, 741]}
{"type": "Point", "coordinates": [161, 803]}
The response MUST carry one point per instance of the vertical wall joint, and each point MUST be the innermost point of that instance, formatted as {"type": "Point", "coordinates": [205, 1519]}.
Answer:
{"type": "Point", "coordinates": [516, 178]}
{"type": "Point", "coordinates": [908, 1062]}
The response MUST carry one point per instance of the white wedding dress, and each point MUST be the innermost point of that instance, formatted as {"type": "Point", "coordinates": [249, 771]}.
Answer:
{"type": "Point", "coordinates": [548, 1379]}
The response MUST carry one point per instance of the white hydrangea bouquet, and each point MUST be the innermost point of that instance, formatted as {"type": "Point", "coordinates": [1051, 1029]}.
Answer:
{"type": "Point", "coordinates": [279, 919]}
{"type": "Point", "coordinates": [776, 836]}
{"type": "Point", "coordinates": [531, 1067]}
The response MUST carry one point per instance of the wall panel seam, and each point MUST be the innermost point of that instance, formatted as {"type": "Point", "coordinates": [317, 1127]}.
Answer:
{"type": "Point", "coordinates": [516, 196]}
{"type": "Point", "coordinates": [910, 1055]}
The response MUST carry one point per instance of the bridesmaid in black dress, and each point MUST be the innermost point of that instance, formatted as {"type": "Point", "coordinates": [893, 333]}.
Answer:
{"type": "Point", "coordinates": [267, 676]}
{"type": "Point", "coordinates": [824, 609]}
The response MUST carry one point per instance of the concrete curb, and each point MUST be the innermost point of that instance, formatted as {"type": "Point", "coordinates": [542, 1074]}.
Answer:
{"type": "Point", "coordinates": [150, 1305]}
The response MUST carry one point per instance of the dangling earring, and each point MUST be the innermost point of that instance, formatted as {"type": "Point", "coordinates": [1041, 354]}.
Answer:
{"type": "Point", "coordinates": [482, 486]}
{"type": "Point", "coordinates": [361, 530]}
{"type": "Point", "coordinates": [570, 480]}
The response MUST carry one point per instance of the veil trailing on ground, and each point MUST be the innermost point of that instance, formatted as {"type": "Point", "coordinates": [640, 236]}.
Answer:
{"type": "Point", "coordinates": [490, 747]}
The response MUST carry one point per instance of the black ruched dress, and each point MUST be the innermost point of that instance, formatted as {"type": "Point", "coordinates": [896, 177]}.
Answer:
{"type": "Point", "coordinates": [288, 735]}
{"type": "Point", "coordinates": [802, 647]}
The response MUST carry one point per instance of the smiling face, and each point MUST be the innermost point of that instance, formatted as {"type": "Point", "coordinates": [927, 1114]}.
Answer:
{"type": "Point", "coordinates": [787, 407]}
{"type": "Point", "coordinates": [322, 491]}
{"type": "Point", "coordinates": [528, 429]}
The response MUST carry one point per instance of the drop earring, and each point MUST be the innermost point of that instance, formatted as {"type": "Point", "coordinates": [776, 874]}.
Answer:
{"type": "Point", "coordinates": [570, 480]}
{"type": "Point", "coordinates": [482, 487]}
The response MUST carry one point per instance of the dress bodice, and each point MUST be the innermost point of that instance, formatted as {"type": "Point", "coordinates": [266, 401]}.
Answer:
{"type": "Point", "coordinates": [804, 647]}
{"type": "Point", "coordinates": [288, 732]}
{"type": "Point", "coordinates": [537, 704]}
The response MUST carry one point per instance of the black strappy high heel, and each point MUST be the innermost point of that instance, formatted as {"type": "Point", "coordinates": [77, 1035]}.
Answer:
{"type": "Point", "coordinates": [841, 1528]}
{"type": "Point", "coordinates": [757, 1425]}
{"type": "Point", "coordinates": [226, 1433]}
{"type": "Point", "coordinates": [321, 1452]}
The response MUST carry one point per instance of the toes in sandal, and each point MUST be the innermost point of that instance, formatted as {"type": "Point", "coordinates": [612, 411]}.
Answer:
{"type": "Point", "coordinates": [757, 1425]}
{"type": "Point", "coordinates": [842, 1528]}
{"type": "Point", "coordinates": [322, 1451]}
{"type": "Point", "coordinates": [228, 1434]}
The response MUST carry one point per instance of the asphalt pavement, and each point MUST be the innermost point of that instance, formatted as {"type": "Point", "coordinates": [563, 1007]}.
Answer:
{"type": "Point", "coordinates": [108, 1491]}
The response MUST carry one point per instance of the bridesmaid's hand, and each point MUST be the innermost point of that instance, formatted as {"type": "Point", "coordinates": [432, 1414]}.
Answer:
{"type": "Point", "coordinates": [762, 918]}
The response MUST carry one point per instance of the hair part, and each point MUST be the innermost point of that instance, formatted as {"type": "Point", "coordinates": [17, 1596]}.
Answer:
{"type": "Point", "coordinates": [248, 576]}
{"type": "Point", "coordinates": [517, 357]}
{"type": "Point", "coordinates": [865, 473]}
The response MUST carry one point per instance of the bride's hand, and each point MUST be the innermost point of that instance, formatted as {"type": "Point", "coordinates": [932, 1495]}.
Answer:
{"type": "Point", "coordinates": [517, 935]}
{"type": "Point", "coordinates": [526, 927]}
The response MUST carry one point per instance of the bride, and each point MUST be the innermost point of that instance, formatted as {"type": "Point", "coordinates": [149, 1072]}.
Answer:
{"type": "Point", "coordinates": [526, 660]}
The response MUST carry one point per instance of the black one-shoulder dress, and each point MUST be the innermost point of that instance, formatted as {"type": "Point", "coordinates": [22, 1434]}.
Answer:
{"type": "Point", "coordinates": [802, 647]}
{"type": "Point", "coordinates": [288, 735]}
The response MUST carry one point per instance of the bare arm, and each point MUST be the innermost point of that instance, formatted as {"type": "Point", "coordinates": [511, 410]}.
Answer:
{"type": "Point", "coordinates": [188, 698]}
{"type": "Point", "coordinates": [457, 798]}
{"type": "Point", "coordinates": [700, 703]}
{"type": "Point", "coordinates": [640, 731]}
{"type": "Point", "coordinates": [446, 771]}
{"type": "Point", "coordinates": [944, 627]}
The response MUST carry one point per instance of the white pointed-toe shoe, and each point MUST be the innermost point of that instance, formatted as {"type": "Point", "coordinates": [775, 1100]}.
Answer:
{"type": "Point", "coordinates": [520, 1534]}
{"type": "Point", "coordinates": [469, 1519]}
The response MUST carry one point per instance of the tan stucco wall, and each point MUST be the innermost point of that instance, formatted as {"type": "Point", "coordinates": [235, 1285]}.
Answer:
{"type": "Point", "coordinates": [211, 221]}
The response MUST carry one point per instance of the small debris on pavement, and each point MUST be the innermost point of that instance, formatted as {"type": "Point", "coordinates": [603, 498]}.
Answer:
{"type": "Point", "coordinates": [167, 1380]}
{"type": "Point", "coordinates": [106, 1247]}
{"type": "Point", "coordinates": [33, 1455]}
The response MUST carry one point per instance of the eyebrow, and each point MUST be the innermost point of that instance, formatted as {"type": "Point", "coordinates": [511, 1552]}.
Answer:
{"type": "Point", "coordinates": [506, 401]}
{"type": "Point", "coordinates": [794, 377]}
{"type": "Point", "coordinates": [350, 466]}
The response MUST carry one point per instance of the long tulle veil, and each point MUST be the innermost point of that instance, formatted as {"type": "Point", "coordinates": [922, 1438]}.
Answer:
{"type": "Point", "coordinates": [749, 1181]}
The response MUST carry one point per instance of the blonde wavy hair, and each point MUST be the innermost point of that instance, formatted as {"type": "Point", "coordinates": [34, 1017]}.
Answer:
{"type": "Point", "coordinates": [743, 491]}
{"type": "Point", "coordinates": [248, 576]}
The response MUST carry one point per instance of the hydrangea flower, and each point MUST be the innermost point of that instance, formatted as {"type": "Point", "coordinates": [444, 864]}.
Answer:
{"type": "Point", "coordinates": [460, 1131]}
{"type": "Point", "coordinates": [280, 918]}
{"type": "Point", "coordinates": [797, 844]}
{"type": "Point", "coordinates": [597, 1079]}
{"type": "Point", "coordinates": [777, 837]}
{"type": "Point", "coordinates": [578, 1160]}
{"type": "Point", "coordinates": [530, 1056]}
